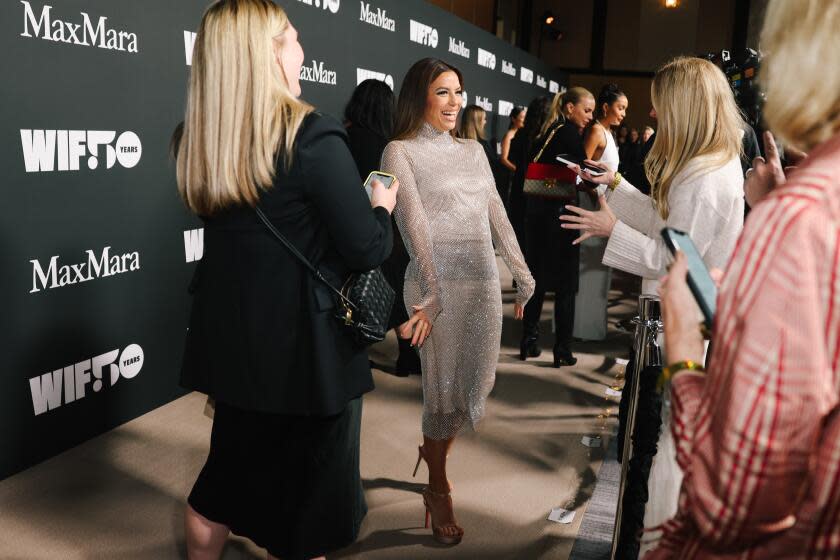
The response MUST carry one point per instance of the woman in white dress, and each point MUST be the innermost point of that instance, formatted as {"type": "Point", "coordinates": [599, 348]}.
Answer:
{"type": "Point", "coordinates": [450, 215]}
{"type": "Point", "coordinates": [697, 187]}
{"type": "Point", "coordinates": [599, 145]}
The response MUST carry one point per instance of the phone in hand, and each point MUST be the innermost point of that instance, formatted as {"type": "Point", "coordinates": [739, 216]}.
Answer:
{"type": "Point", "coordinates": [699, 280]}
{"type": "Point", "coordinates": [569, 159]}
{"type": "Point", "coordinates": [385, 178]}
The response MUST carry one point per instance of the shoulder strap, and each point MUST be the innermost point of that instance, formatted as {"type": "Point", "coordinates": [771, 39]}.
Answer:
{"type": "Point", "coordinates": [547, 140]}
{"type": "Point", "coordinates": [293, 250]}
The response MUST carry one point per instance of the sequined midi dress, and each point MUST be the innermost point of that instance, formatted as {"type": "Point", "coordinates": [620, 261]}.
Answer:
{"type": "Point", "coordinates": [450, 215]}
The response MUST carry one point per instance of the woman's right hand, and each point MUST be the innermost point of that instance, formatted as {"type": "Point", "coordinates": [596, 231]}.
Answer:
{"type": "Point", "coordinates": [605, 178]}
{"type": "Point", "coordinates": [764, 176]}
{"type": "Point", "coordinates": [417, 328]}
{"type": "Point", "coordinates": [384, 197]}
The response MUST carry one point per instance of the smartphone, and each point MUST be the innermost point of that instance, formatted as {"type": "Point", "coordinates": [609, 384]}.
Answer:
{"type": "Point", "coordinates": [699, 280]}
{"type": "Point", "coordinates": [385, 178]}
{"type": "Point", "coordinates": [569, 159]}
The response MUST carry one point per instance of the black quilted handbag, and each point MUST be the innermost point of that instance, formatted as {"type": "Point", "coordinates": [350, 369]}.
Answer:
{"type": "Point", "coordinates": [364, 302]}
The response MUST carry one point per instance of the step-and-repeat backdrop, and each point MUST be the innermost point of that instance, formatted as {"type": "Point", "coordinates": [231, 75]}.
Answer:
{"type": "Point", "coordinates": [96, 249]}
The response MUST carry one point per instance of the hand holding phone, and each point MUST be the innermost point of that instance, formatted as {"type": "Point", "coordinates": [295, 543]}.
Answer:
{"type": "Point", "coordinates": [382, 189]}
{"type": "Point", "coordinates": [569, 159]}
{"type": "Point", "coordinates": [700, 282]}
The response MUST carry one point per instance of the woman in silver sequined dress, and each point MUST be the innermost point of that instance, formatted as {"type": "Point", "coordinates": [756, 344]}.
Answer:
{"type": "Point", "coordinates": [450, 216]}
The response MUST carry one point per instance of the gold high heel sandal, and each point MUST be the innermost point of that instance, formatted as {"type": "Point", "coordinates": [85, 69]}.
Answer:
{"type": "Point", "coordinates": [439, 531]}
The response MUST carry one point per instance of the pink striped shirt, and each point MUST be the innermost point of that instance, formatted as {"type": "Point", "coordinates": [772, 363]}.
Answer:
{"type": "Point", "coordinates": [759, 436]}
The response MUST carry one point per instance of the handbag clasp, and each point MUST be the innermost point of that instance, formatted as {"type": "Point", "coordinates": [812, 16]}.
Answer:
{"type": "Point", "coordinates": [550, 183]}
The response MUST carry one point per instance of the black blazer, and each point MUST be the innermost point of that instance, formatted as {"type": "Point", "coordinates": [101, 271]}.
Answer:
{"type": "Point", "coordinates": [262, 335]}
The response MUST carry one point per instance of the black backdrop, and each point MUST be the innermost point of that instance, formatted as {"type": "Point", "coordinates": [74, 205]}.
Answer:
{"type": "Point", "coordinates": [96, 249]}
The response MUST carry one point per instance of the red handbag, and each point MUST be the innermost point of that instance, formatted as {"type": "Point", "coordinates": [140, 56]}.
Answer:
{"type": "Point", "coordinates": [549, 180]}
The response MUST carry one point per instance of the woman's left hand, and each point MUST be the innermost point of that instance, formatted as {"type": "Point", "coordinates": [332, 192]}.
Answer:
{"type": "Point", "coordinates": [591, 224]}
{"type": "Point", "coordinates": [518, 311]}
{"type": "Point", "coordinates": [605, 178]}
{"type": "Point", "coordinates": [683, 339]}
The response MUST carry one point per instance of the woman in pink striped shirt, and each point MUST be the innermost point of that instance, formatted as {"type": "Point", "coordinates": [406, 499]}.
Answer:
{"type": "Point", "coordinates": [759, 433]}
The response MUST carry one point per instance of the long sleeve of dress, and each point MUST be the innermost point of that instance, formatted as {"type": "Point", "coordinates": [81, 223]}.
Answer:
{"type": "Point", "coordinates": [504, 239]}
{"type": "Point", "coordinates": [414, 226]}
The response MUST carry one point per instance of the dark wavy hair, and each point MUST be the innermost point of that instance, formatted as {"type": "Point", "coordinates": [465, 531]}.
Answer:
{"type": "Point", "coordinates": [514, 113]}
{"type": "Point", "coordinates": [610, 93]}
{"type": "Point", "coordinates": [411, 105]}
{"type": "Point", "coordinates": [372, 106]}
{"type": "Point", "coordinates": [538, 112]}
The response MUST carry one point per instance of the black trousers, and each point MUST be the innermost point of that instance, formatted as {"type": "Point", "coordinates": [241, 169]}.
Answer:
{"type": "Point", "coordinates": [554, 262]}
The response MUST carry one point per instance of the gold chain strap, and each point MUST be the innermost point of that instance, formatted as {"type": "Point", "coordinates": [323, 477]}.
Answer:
{"type": "Point", "coordinates": [550, 136]}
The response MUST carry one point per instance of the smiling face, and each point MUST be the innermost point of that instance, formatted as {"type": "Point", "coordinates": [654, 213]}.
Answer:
{"type": "Point", "coordinates": [443, 101]}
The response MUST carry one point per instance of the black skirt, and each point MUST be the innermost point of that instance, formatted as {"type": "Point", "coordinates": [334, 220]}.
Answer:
{"type": "Point", "coordinates": [291, 484]}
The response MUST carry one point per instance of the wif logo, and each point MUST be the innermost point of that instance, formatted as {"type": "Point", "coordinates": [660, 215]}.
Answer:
{"type": "Point", "coordinates": [316, 73]}
{"type": "Point", "coordinates": [526, 74]}
{"type": "Point", "coordinates": [194, 244]}
{"type": "Point", "coordinates": [423, 34]}
{"type": "Point", "coordinates": [458, 47]}
{"type": "Point", "coordinates": [331, 5]}
{"type": "Point", "coordinates": [508, 68]}
{"type": "Point", "coordinates": [62, 150]}
{"type": "Point", "coordinates": [362, 75]}
{"type": "Point", "coordinates": [68, 384]}
{"type": "Point", "coordinates": [85, 33]}
{"type": "Point", "coordinates": [379, 18]}
{"type": "Point", "coordinates": [66, 275]}
{"type": "Point", "coordinates": [505, 107]}
{"type": "Point", "coordinates": [486, 59]}
{"type": "Point", "coordinates": [541, 82]}
{"type": "Point", "coordinates": [484, 103]}
{"type": "Point", "coordinates": [553, 86]}
{"type": "Point", "coordinates": [189, 43]}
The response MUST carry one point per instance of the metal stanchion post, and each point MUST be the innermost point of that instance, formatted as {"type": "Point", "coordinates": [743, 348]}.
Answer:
{"type": "Point", "coordinates": [647, 352]}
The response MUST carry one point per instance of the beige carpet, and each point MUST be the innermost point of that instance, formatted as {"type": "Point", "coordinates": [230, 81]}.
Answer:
{"type": "Point", "coordinates": [121, 496]}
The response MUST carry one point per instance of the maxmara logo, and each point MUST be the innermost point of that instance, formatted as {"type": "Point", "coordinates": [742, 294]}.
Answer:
{"type": "Point", "coordinates": [458, 47]}
{"type": "Point", "coordinates": [553, 86]}
{"type": "Point", "coordinates": [70, 383]}
{"type": "Point", "coordinates": [423, 34]}
{"type": "Point", "coordinates": [331, 5]}
{"type": "Point", "coordinates": [316, 73]}
{"type": "Point", "coordinates": [379, 18]}
{"type": "Point", "coordinates": [526, 75]}
{"type": "Point", "coordinates": [363, 74]}
{"type": "Point", "coordinates": [541, 82]}
{"type": "Point", "coordinates": [505, 107]}
{"type": "Point", "coordinates": [189, 43]}
{"type": "Point", "coordinates": [83, 33]}
{"type": "Point", "coordinates": [62, 150]}
{"type": "Point", "coordinates": [484, 103]}
{"type": "Point", "coordinates": [486, 59]}
{"type": "Point", "coordinates": [194, 244]}
{"type": "Point", "coordinates": [95, 266]}
{"type": "Point", "coordinates": [508, 68]}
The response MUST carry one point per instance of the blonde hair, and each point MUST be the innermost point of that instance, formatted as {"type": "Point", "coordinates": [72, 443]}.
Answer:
{"type": "Point", "coordinates": [799, 72]}
{"type": "Point", "coordinates": [240, 113]}
{"type": "Point", "coordinates": [697, 116]}
{"type": "Point", "coordinates": [558, 105]}
{"type": "Point", "coordinates": [471, 128]}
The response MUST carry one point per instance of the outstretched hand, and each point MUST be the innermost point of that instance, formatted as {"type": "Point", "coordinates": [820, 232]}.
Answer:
{"type": "Point", "coordinates": [764, 175]}
{"type": "Point", "coordinates": [417, 328]}
{"type": "Point", "coordinates": [599, 223]}
{"type": "Point", "coordinates": [604, 178]}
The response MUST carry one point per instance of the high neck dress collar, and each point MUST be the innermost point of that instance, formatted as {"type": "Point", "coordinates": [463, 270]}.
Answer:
{"type": "Point", "coordinates": [429, 132]}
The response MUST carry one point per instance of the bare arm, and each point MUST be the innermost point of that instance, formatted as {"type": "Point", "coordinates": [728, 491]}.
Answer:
{"type": "Point", "coordinates": [506, 150]}
{"type": "Point", "coordinates": [594, 142]}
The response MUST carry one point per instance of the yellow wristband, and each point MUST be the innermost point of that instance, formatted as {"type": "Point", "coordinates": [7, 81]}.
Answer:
{"type": "Point", "coordinates": [670, 370]}
{"type": "Point", "coordinates": [616, 181]}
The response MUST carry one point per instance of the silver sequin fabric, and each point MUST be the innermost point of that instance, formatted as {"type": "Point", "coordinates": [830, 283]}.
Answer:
{"type": "Point", "coordinates": [450, 215]}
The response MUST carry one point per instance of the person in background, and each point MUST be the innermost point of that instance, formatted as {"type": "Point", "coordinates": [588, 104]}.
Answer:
{"type": "Point", "coordinates": [648, 134]}
{"type": "Point", "coordinates": [473, 122]}
{"type": "Point", "coordinates": [758, 434]}
{"type": "Point", "coordinates": [450, 216]}
{"type": "Point", "coordinates": [520, 154]}
{"type": "Point", "coordinates": [283, 465]}
{"type": "Point", "coordinates": [634, 136]}
{"type": "Point", "coordinates": [594, 284]}
{"type": "Point", "coordinates": [549, 249]}
{"type": "Point", "coordinates": [517, 121]}
{"type": "Point", "coordinates": [369, 117]}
